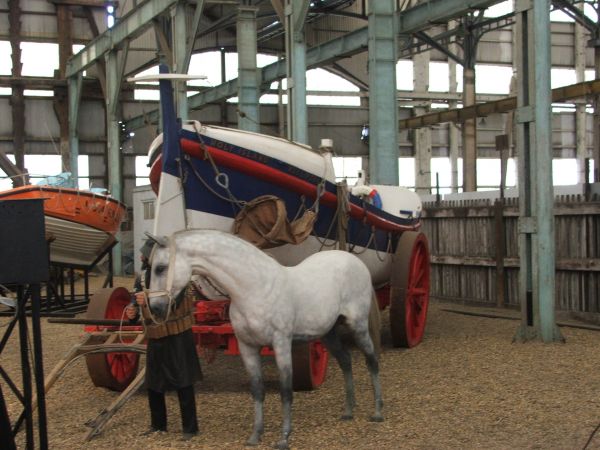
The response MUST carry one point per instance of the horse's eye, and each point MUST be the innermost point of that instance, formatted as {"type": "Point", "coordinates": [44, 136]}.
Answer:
{"type": "Point", "coordinates": [159, 269]}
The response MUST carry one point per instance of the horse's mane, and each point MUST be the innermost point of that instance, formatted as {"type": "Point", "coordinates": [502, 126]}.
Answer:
{"type": "Point", "coordinates": [234, 240]}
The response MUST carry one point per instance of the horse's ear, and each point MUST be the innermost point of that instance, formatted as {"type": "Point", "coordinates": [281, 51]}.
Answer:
{"type": "Point", "coordinates": [161, 241]}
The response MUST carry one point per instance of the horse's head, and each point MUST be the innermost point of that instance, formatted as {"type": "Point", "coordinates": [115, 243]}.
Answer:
{"type": "Point", "coordinates": [169, 277]}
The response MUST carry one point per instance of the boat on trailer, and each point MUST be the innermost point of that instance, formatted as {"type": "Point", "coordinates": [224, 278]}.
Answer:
{"type": "Point", "coordinates": [206, 176]}
{"type": "Point", "coordinates": [82, 224]}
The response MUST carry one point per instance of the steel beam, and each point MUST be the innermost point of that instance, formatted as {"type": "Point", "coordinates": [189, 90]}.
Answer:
{"type": "Point", "coordinates": [191, 37]}
{"type": "Point", "coordinates": [458, 115]}
{"type": "Point", "coordinates": [248, 85]}
{"type": "Point", "coordinates": [383, 123]}
{"type": "Point", "coordinates": [453, 131]}
{"type": "Point", "coordinates": [74, 93]}
{"type": "Point", "coordinates": [295, 47]}
{"type": "Point", "coordinates": [180, 61]}
{"type": "Point", "coordinates": [580, 114]}
{"type": "Point", "coordinates": [536, 196]}
{"type": "Point", "coordinates": [422, 137]}
{"type": "Point", "coordinates": [127, 27]}
{"type": "Point", "coordinates": [113, 84]}
{"type": "Point", "coordinates": [9, 167]}
{"type": "Point", "coordinates": [569, 8]}
{"type": "Point", "coordinates": [112, 126]}
{"type": "Point", "coordinates": [408, 21]}
{"type": "Point", "coordinates": [469, 133]}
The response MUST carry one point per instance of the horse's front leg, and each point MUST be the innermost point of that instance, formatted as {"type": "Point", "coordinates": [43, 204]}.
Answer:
{"type": "Point", "coordinates": [282, 347]}
{"type": "Point", "coordinates": [251, 359]}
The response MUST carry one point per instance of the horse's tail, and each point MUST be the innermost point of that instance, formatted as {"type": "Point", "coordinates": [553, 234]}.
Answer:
{"type": "Point", "coordinates": [375, 324]}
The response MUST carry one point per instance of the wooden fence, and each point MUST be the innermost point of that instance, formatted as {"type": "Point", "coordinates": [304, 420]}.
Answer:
{"type": "Point", "coordinates": [466, 245]}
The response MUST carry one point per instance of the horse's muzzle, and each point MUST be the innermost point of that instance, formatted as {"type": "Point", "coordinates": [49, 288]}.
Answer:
{"type": "Point", "coordinates": [158, 303]}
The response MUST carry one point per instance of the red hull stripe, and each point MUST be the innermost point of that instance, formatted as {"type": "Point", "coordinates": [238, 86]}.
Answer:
{"type": "Point", "coordinates": [271, 175]}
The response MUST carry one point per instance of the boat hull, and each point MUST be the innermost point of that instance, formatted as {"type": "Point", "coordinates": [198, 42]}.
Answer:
{"type": "Point", "coordinates": [82, 225]}
{"type": "Point", "coordinates": [217, 177]}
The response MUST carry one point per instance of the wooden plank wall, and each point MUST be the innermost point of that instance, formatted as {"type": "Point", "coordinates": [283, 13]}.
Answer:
{"type": "Point", "coordinates": [463, 245]}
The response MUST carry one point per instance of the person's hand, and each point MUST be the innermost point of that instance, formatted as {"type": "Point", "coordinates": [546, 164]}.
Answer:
{"type": "Point", "coordinates": [131, 311]}
{"type": "Point", "coordinates": [140, 298]}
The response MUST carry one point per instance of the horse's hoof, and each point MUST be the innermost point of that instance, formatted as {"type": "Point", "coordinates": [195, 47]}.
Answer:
{"type": "Point", "coordinates": [347, 417]}
{"type": "Point", "coordinates": [282, 445]}
{"type": "Point", "coordinates": [252, 442]}
{"type": "Point", "coordinates": [376, 419]}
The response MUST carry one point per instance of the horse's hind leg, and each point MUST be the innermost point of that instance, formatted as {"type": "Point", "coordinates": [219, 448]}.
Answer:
{"type": "Point", "coordinates": [282, 346]}
{"type": "Point", "coordinates": [251, 358]}
{"type": "Point", "coordinates": [335, 346]}
{"type": "Point", "coordinates": [365, 344]}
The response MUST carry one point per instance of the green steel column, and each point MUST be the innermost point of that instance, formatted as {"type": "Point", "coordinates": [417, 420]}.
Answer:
{"type": "Point", "coordinates": [112, 140]}
{"type": "Point", "coordinates": [453, 130]}
{"type": "Point", "coordinates": [298, 94]}
{"type": "Point", "coordinates": [469, 126]}
{"type": "Point", "coordinates": [248, 83]}
{"type": "Point", "coordinates": [534, 140]}
{"type": "Point", "coordinates": [74, 100]}
{"type": "Point", "coordinates": [179, 36]}
{"type": "Point", "coordinates": [297, 115]}
{"type": "Point", "coordinates": [422, 136]}
{"type": "Point", "coordinates": [595, 43]}
{"type": "Point", "coordinates": [383, 123]}
{"type": "Point", "coordinates": [580, 113]}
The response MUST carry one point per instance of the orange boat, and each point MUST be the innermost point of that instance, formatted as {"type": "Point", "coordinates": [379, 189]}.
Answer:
{"type": "Point", "coordinates": [82, 223]}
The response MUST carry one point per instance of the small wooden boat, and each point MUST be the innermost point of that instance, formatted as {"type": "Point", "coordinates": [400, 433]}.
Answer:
{"type": "Point", "coordinates": [82, 224]}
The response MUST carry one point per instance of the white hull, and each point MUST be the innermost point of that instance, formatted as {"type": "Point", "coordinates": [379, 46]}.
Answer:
{"type": "Point", "coordinates": [74, 243]}
{"type": "Point", "coordinates": [379, 263]}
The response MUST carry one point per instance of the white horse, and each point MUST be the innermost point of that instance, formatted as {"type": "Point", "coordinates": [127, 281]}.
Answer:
{"type": "Point", "coordinates": [274, 305]}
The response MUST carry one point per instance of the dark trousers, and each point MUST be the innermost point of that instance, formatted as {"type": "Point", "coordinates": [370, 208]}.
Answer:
{"type": "Point", "coordinates": [187, 406]}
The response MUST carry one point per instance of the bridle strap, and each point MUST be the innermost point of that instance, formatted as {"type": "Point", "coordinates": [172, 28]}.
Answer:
{"type": "Point", "coordinates": [171, 267]}
{"type": "Point", "coordinates": [167, 292]}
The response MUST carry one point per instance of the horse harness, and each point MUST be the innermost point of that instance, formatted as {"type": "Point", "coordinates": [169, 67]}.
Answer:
{"type": "Point", "coordinates": [180, 320]}
{"type": "Point", "coordinates": [180, 310]}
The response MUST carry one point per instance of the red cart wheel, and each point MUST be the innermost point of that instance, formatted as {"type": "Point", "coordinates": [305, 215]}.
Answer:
{"type": "Point", "coordinates": [309, 364]}
{"type": "Point", "coordinates": [409, 293]}
{"type": "Point", "coordinates": [110, 370]}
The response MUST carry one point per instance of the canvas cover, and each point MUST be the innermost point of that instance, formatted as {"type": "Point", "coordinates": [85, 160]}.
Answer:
{"type": "Point", "coordinates": [263, 222]}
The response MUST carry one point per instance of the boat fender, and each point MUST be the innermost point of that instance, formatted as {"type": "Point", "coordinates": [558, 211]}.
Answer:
{"type": "Point", "coordinates": [367, 191]}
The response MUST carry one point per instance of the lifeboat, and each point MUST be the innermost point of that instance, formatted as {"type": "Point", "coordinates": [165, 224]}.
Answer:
{"type": "Point", "coordinates": [82, 224]}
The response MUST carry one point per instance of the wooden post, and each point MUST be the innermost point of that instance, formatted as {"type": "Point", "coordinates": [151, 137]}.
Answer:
{"type": "Point", "coordinates": [502, 144]}
{"type": "Point", "coordinates": [500, 252]}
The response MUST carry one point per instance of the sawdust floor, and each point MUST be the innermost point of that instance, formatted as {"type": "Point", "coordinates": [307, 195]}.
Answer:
{"type": "Point", "coordinates": [466, 386]}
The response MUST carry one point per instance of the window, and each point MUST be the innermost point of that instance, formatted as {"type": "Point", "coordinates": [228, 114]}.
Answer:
{"type": "Point", "coordinates": [562, 77]}
{"type": "Point", "coordinates": [564, 171]}
{"type": "Point", "coordinates": [208, 64]}
{"type": "Point", "coordinates": [142, 171]}
{"type": "Point", "coordinates": [39, 59]}
{"type": "Point", "coordinates": [148, 210]}
{"type": "Point", "coordinates": [37, 93]}
{"type": "Point", "coordinates": [439, 77]}
{"type": "Point", "coordinates": [406, 172]}
{"type": "Point", "coordinates": [441, 171]}
{"type": "Point", "coordinates": [347, 168]}
{"type": "Point", "coordinates": [488, 174]}
{"type": "Point", "coordinates": [5, 58]}
{"type": "Point", "coordinates": [499, 9]}
{"type": "Point", "coordinates": [42, 166]}
{"type": "Point", "coordinates": [404, 75]}
{"type": "Point", "coordinates": [492, 79]}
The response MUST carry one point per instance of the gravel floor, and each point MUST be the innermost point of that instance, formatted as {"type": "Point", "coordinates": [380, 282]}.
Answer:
{"type": "Point", "coordinates": [465, 386]}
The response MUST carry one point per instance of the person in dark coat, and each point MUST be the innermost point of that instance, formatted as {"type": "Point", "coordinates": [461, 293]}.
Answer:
{"type": "Point", "coordinates": [171, 359]}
